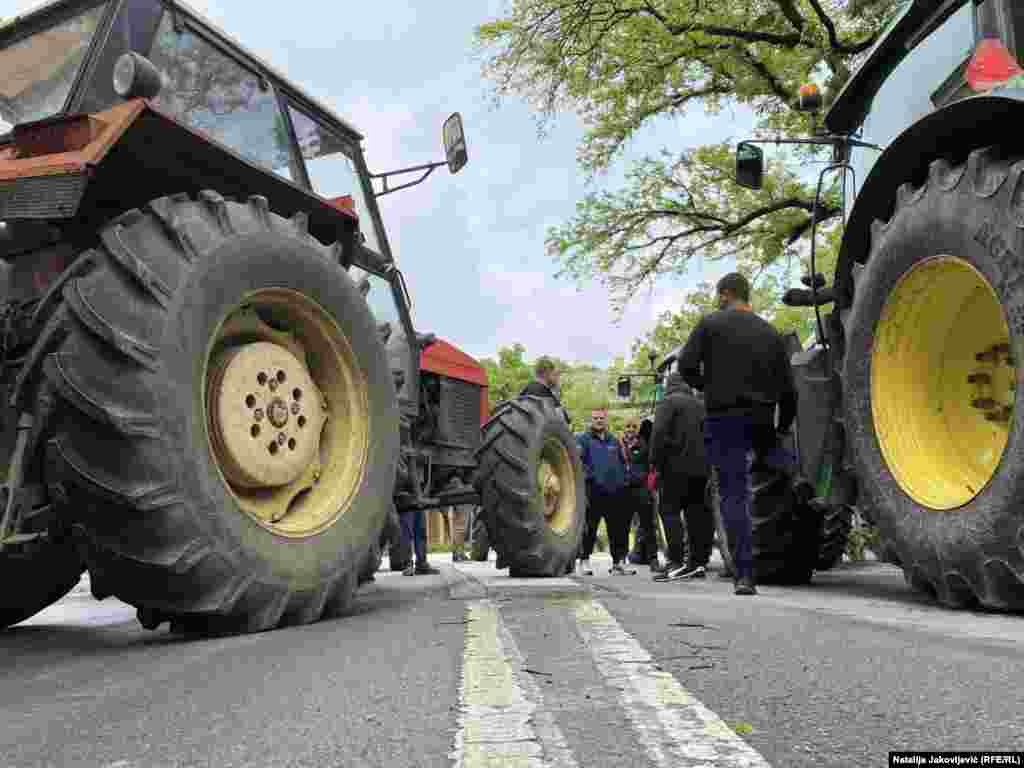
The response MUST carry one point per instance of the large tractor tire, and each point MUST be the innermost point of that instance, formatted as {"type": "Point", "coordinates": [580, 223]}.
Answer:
{"type": "Point", "coordinates": [933, 341]}
{"type": "Point", "coordinates": [227, 433]}
{"type": "Point", "coordinates": [37, 576]}
{"type": "Point", "coordinates": [721, 540]}
{"type": "Point", "coordinates": [480, 548]}
{"type": "Point", "coordinates": [532, 488]}
{"type": "Point", "coordinates": [835, 532]}
{"type": "Point", "coordinates": [784, 540]}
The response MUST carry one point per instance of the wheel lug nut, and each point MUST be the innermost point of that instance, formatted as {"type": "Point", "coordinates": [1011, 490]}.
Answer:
{"type": "Point", "coordinates": [281, 438]}
{"type": "Point", "coordinates": [261, 378]}
{"type": "Point", "coordinates": [272, 384]}
{"type": "Point", "coordinates": [295, 409]}
{"type": "Point", "coordinates": [984, 403]}
{"type": "Point", "coordinates": [258, 414]}
{"type": "Point", "coordinates": [979, 378]}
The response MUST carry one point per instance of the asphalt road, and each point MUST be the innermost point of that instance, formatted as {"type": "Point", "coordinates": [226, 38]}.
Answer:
{"type": "Point", "coordinates": [472, 668]}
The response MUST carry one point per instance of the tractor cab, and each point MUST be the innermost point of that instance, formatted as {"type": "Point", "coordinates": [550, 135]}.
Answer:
{"type": "Point", "coordinates": [94, 93]}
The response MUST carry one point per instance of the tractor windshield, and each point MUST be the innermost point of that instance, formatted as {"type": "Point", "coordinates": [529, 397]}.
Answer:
{"type": "Point", "coordinates": [929, 77]}
{"type": "Point", "coordinates": [37, 72]}
{"type": "Point", "coordinates": [333, 168]}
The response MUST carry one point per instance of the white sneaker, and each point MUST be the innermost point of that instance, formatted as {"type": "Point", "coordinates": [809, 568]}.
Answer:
{"type": "Point", "coordinates": [583, 568]}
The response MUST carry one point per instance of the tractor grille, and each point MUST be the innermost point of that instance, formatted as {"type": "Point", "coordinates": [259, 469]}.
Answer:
{"type": "Point", "coordinates": [460, 412]}
{"type": "Point", "coordinates": [42, 197]}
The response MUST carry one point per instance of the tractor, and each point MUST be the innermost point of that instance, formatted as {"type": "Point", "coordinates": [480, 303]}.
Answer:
{"type": "Point", "coordinates": [214, 399]}
{"type": "Point", "coordinates": [915, 366]}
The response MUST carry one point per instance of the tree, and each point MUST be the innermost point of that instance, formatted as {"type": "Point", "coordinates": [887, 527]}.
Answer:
{"type": "Point", "coordinates": [673, 328]}
{"type": "Point", "coordinates": [621, 64]}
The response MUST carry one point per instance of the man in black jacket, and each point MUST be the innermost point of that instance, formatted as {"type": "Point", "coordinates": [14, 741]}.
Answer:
{"type": "Point", "coordinates": [678, 457]}
{"type": "Point", "coordinates": [546, 384]}
{"type": "Point", "coordinates": [741, 364]}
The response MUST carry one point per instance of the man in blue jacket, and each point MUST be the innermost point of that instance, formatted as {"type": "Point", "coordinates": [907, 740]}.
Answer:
{"type": "Point", "coordinates": [604, 463]}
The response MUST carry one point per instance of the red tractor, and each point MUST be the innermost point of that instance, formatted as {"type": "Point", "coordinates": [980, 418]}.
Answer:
{"type": "Point", "coordinates": [215, 399]}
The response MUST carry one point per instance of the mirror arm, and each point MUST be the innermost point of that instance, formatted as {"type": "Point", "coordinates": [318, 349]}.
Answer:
{"type": "Point", "coordinates": [824, 140]}
{"type": "Point", "coordinates": [428, 169]}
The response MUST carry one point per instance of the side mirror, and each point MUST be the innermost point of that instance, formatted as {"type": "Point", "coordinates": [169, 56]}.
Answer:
{"type": "Point", "coordinates": [625, 388]}
{"type": "Point", "coordinates": [454, 143]}
{"type": "Point", "coordinates": [749, 166]}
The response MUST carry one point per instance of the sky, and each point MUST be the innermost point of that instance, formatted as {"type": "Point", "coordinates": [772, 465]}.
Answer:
{"type": "Point", "coordinates": [471, 245]}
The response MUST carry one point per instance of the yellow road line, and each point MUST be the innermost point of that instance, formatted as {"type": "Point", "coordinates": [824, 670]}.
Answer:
{"type": "Point", "coordinates": [501, 720]}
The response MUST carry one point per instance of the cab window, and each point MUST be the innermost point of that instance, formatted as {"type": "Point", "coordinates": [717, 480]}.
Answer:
{"type": "Point", "coordinates": [381, 298]}
{"type": "Point", "coordinates": [333, 172]}
{"type": "Point", "coordinates": [212, 93]}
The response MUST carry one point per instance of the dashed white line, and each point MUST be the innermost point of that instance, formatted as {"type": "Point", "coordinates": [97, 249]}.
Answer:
{"type": "Point", "coordinates": [677, 730]}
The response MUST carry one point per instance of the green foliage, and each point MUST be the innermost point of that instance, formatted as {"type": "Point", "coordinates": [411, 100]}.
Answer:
{"type": "Point", "coordinates": [861, 539]}
{"type": "Point", "coordinates": [673, 328]}
{"type": "Point", "coordinates": [623, 64]}
{"type": "Point", "coordinates": [584, 386]}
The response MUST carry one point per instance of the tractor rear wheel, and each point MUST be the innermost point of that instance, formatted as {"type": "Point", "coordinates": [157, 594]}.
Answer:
{"type": "Point", "coordinates": [933, 342]}
{"type": "Point", "coordinates": [531, 484]}
{"type": "Point", "coordinates": [835, 532]}
{"type": "Point", "coordinates": [227, 433]}
{"type": "Point", "coordinates": [480, 548]}
{"type": "Point", "coordinates": [784, 542]}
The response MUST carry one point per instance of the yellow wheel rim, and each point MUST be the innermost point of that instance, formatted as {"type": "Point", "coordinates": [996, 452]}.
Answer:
{"type": "Point", "coordinates": [286, 412]}
{"type": "Point", "coordinates": [942, 382]}
{"type": "Point", "coordinates": [556, 485]}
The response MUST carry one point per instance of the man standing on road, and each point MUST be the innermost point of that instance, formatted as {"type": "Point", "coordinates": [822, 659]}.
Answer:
{"type": "Point", "coordinates": [414, 530]}
{"type": "Point", "coordinates": [679, 459]}
{"type": "Point", "coordinates": [639, 500]}
{"type": "Point", "coordinates": [546, 384]}
{"type": "Point", "coordinates": [746, 375]}
{"type": "Point", "coordinates": [604, 463]}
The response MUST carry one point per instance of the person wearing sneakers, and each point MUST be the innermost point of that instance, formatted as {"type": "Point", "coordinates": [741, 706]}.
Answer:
{"type": "Point", "coordinates": [639, 500]}
{"type": "Point", "coordinates": [679, 461]}
{"type": "Point", "coordinates": [604, 464]}
{"type": "Point", "coordinates": [414, 530]}
{"type": "Point", "coordinates": [740, 362]}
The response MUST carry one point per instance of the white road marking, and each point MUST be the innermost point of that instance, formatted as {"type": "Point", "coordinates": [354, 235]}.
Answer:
{"type": "Point", "coordinates": [674, 727]}
{"type": "Point", "coordinates": [501, 720]}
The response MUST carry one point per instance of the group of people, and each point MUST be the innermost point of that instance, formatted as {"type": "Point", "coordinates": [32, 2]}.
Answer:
{"type": "Point", "coordinates": [740, 365]}
{"type": "Point", "coordinates": [739, 362]}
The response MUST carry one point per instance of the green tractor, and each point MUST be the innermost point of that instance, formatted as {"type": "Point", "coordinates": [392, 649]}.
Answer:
{"type": "Point", "coordinates": [915, 366]}
{"type": "Point", "coordinates": [790, 540]}
{"type": "Point", "coordinates": [214, 397]}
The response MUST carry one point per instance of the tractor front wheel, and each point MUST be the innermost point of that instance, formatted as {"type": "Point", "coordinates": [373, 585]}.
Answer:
{"type": "Point", "coordinates": [531, 483]}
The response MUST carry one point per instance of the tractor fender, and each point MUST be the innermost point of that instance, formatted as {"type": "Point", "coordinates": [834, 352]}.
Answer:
{"type": "Point", "coordinates": [952, 133]}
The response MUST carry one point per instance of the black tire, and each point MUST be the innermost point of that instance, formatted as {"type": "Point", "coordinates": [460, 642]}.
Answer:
{"type": "Point", "coordinates": [131, 455]}
{"type": "Point", "coordinates": [784, 541]}
{"type": "Point", "coordinates": [835, 532]}
{"type": "Point", "coordinates": [721, 540]}
{"type": "Point", "coordinates": [509, 459]}
{"type": "Point", "coordinates": [37, 578]}
{"type": "Point", "coordinates": [973, 553]}
{"type": "Point", "coordinates": [480, 548]}
{"type": "Point", "coordinates": [388, 535]}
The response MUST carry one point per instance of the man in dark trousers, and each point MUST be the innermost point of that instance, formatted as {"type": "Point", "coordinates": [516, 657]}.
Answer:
{"type": "Point", "coordinates": [740, 363]}
{"type": "Point", "coordinates": [639, 500]}
{"type": "Point", "coordinates": [546, 384]}
{"type": "Point", "coordinates": [604, 463]}
{"type": "Point", "coordinates": [679, 459]}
